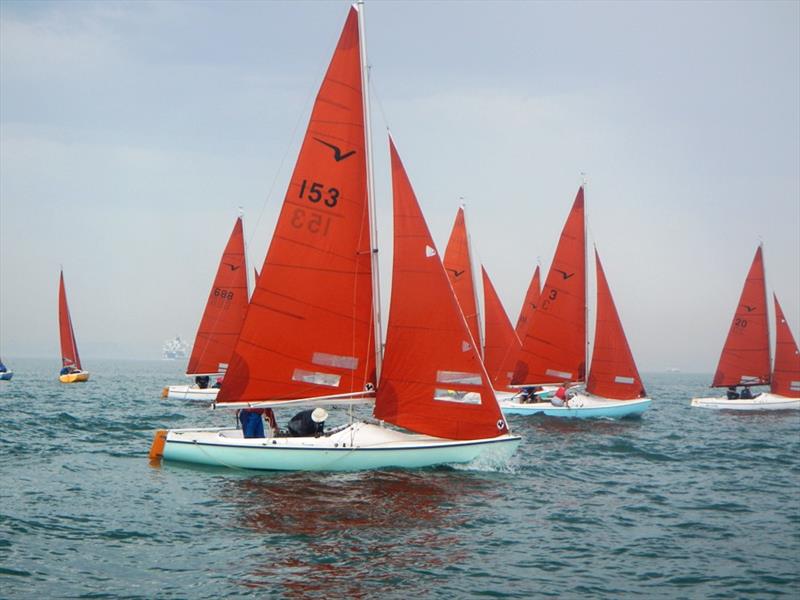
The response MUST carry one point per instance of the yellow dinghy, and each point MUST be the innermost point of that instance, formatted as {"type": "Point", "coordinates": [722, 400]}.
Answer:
{"type": "Point", "coordinates": [74, 377]}
{"type": "Point", "coordinates": [70, 360]}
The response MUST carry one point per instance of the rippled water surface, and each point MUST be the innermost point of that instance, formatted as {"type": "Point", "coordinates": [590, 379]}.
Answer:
{"type": "Point", "coordinates": [681, 503]}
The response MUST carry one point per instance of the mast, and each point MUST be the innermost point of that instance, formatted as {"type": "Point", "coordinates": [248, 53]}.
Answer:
{"type": "Point", "coordinates": [586, 286]}
{"type": "Point", "coordinates": [373, 222]}
{"type": "Point", "coordinates": [481, 334]}
{"type": "Point", "coordinates": [766, 311]}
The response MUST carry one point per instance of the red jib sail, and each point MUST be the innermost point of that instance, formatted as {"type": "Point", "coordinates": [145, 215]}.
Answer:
{"type": "Point", "coordinates": [502, 344]}
{"type": "Point", "coordinates": [529, 305]}
{"type": "Point", "coordinates": [69, 349]}
{"type": "Point", "coordinates": [786, 374]}
{"type": "Point", "coordinates": [613, 372]}
{"type": "Point", "coordinates": [745, 356]}
{"type": "Point", "coordinates": [433, 380]}
{"type": "Point", "coordinates": [554, 338]}
{"type": "Point", "coordinates": [308, 331]}
{"type": "Point", "coordinates": [225, 310]}
{"type": "Point", "coordinates": [458, 264]}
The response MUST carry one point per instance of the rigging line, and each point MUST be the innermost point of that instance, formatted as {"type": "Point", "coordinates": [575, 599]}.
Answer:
{"type": "Point", "coordinates": [373, 88]}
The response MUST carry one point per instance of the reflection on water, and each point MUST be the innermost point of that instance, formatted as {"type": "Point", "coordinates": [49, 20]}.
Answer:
{"type": "Point", "coordinates": [561, 426]}
{"type": "Point", "coordinates": [353, 533]}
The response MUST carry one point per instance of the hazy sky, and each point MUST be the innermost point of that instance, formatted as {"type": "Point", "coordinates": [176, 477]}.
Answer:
{"type": "Point", "coordinates": [132, 132]}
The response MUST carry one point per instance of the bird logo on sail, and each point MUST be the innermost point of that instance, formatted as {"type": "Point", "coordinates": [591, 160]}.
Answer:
{"type": "Point", "coordinates": [337, 152]}
{"type": "Point", "coordinates": [564, 274]}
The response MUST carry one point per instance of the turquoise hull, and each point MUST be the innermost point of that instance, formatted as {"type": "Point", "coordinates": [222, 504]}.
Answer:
{"type": "Point", "coordinates": [289, 455]}
{"type": "Point", "coordinates": [595, 410]}
{"type": "Point", "coordinates": [6, 376]}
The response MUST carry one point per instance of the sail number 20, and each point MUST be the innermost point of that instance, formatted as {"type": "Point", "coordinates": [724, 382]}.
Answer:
{"type": "Point", "coordinates": [315, 192]}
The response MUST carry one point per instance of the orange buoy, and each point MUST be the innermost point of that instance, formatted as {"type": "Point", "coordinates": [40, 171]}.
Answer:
{"type": "Point", "coordinates": [157, 448]}
{"type": "Point", "coordinates": [165, 392]}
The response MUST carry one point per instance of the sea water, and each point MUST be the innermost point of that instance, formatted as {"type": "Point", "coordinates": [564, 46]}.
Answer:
{"type": "Point", "coordinates": [682, 503]}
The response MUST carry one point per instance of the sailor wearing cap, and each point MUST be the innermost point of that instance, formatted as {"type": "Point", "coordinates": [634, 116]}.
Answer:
{"type": "Point", "coordinates": [308, 423]}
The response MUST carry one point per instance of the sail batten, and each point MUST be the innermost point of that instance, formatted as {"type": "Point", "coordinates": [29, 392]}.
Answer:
{"type": "Point", "coordinates": [745, 356]}
{"type": "Point", "coordinates": [314, 290]}
{"type": "Point", "coordinates": [433, 380]}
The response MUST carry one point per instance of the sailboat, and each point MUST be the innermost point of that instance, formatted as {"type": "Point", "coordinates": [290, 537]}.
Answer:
{"type": "Point", "coordinates": [458, 264]}
{"type": "Point", "coordinates": [5, 374]}
{"type": "Point", "coordinates": [71, 371]}
{"type": "Point", "coordinates": [745, 359]}
{"type": "Point", "coordinates": [497, 340]}
{"type": "Point", "coordinates": [502, 342]}
{"type": "Point", "coordinates": [554, 341]}
{"type": "Point", "coordinates": [529, 304]}
{"type": "Point", "coordinates": [220, 325]}
{"type": "Point", "coordinates": [312, 333]}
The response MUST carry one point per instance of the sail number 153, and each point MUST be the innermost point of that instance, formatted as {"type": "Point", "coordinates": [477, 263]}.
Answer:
{"type": "Point", "coordinates": [316, 192]}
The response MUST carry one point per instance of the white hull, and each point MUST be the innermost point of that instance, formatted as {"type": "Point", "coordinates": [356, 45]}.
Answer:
{"type": "Point", "coordinates": [192, 392]}
{"type": "Point", "coordinates": [764, 401]}
{"type": "Point", "coordinates": [354, 447]}
{"type": "Point", "coordinates": [581, 406]}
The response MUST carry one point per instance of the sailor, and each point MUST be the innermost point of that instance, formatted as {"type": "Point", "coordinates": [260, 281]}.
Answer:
{"type": "Point", "coordinates": [253, 426]}
{"type": "Point", "coordinates": [732, 393]}
{"type": "Point", "coordinates": [218, 382]}
{"type": "Point", "coordinates": [202, 381]}
{"type": "Point", "coordinates": [308, 423]}
{"type": "Point", "coordinates": [560, 397]}
{"type": "Point", "coordinates": [746, 394]}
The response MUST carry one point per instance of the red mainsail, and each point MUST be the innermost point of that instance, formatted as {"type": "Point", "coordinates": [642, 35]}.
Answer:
{"type": "Point", "coordinates": [529, 305]}
{"type": "Point", "coordinates": [309, 329]}
{"type": "Point", "coordinates": [502, 344]}
{"type": "Point", "coordinates": [225, 310]}
{"type": "Point", "coordinates": [458, 264]}
{"type": "Point", "coordinates": [433, 380]}
{"type": "Point", "coordinates": [554, 338]}
{"type": "Point", "coordinates": [69, 349]}
{"type": "Point", "coordinates": [745, 356]}
{"type": "Point", "coordinates": [786, 373]}
{"type": "Point", "coordinates": [613, 372]}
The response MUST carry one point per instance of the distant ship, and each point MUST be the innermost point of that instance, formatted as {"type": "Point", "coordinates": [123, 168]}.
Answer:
{"type": "Point", "coordinates": [174, 349]}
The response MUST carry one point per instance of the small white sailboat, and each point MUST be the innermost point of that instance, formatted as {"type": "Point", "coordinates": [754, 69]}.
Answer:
{"type": "Point", "coordinates": [745, 359]}
{"type": "Point", "coordinates": [554, 343]}
{"type": "Point", "coordinates": [5, 374]}
{"type": "Point", "coordinates": [312, 334]}
{"type": "Point", "coordinates": [220, 325]}
{"type": "Point", "coordinates": [71, 370]}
